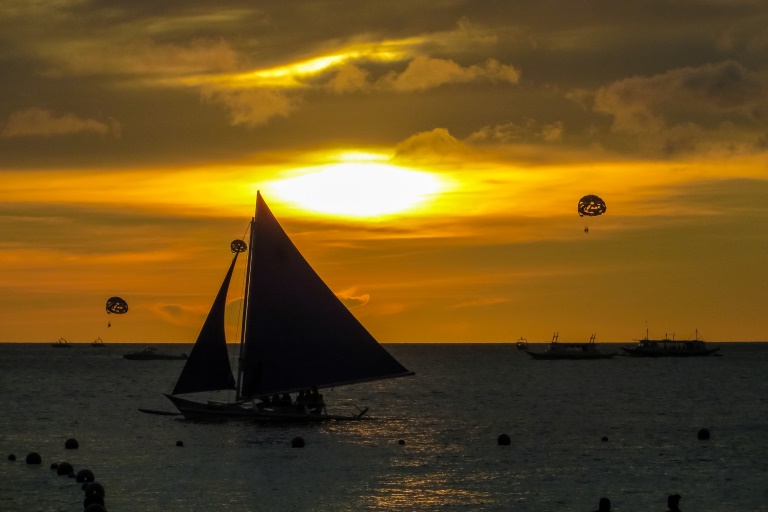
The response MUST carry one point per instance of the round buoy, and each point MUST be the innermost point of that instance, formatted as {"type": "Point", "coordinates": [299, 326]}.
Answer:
{"type": "Point", "coordinates": [504, 440]}
{"type": "Point", "coordinates": [93, 499]}
{"type": "Point", "coordinates": [85, 475]}
{"type": "Point", "coordinates": [604, 439]}
{"type": "Point", "coordinates": [401, 442]}
{"type": "Point", "coordinates": [34, 458]}
{"type": "Point", "coordinates": [71, 444]}
{"type": "Point", "coordinates": [297, 442]}
{"type": "Point", "coordinates": [54, 465]}
{"type": "Point", "coordinates": [11, 457]}
{"type": "Point", "coordinates": [65, 468]}
{"type": "Point", "coordinates": [703, 434]}
{"type": "Point", "coordinates": [179, 443]}
{"type": "Point", "coordinates": [95, 488]}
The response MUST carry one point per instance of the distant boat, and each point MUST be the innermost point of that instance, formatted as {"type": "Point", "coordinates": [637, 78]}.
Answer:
{"type": "Point", "coordinates": [667, 347]}
{"type": "Point", "coordinates": [62, 343]}
{"type": "Point", "coordinates": [151, 353]}
{"type": "Point", "coordinates": [297, 338]}
{"type": "Point", "coordinates": [556, 350]}
{"type": "Point", "coordinates": [97, 343]}
{"type": "Point", "coordinates": [522, 344]}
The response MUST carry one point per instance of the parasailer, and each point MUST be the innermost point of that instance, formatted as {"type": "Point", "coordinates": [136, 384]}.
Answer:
{"type": "Point", "coordinates": [117, 306]}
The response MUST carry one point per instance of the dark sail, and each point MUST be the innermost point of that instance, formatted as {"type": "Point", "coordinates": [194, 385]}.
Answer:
{"type": "Point", "coordinates": [207, 368]}
{"type": "Point", "coordinates": [298, 334]}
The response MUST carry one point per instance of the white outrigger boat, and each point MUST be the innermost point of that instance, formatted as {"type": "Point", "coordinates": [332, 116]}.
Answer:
{"type": "Point", "coordinates": [670, 347]}
{"type": "Point", "coordinates": [557, 350]}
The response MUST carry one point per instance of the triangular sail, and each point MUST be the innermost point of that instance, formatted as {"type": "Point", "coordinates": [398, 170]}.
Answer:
{"type": "Point", "coordinates": [298, 334]}
{"type": "Point", "coordinates": [208, 368]}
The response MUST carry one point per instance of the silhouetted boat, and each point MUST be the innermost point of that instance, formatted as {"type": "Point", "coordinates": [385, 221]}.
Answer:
{"type": "Point", "coordinates": [152, 353]}
{"type": "Point", "coordinates": [296, 337]}
{"type": "Point", "coordinates": [522, 344]}
{"type": "Point", "coordinates": [62, 343]}
{"type": "Point", "coordinates": [97, 343]}
{"type": "Point", "coordinates": [667, 347]}
{"type": "Point", "coordinates": [556, 350]}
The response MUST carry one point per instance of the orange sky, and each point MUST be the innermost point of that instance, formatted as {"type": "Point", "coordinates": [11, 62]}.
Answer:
{"type": "Point", "coordinates": [427, 164]}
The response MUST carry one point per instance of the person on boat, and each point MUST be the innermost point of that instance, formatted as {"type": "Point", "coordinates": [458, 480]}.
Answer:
{"type": "Point", "coordinates": [673, 503]}
{"type": "Point", "coordinates": [604, 506]}
{"type": "Point", "coordinates": [315, 401]}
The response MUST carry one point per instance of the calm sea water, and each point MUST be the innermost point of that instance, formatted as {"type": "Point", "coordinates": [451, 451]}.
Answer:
{"type": "Point", "coordinates": [449, 415]}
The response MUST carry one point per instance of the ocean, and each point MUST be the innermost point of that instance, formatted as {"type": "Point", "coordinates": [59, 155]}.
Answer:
{"type": "Point", "coordinates": [623, 428]}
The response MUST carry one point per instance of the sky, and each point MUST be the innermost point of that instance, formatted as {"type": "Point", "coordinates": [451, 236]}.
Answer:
{"type": "Point", "coordinates": [427, 158]}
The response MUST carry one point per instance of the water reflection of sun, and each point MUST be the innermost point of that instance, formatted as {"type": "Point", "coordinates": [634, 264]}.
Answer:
{"type": "Point", "coordinates": [359, 189]}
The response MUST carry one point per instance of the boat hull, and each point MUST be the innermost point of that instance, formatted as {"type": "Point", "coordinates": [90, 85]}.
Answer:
{"type": "Point", "coordinates": [154, 357]}
{"type": "Point", "coordinates": [638, 352]}
{"type": "Point", "coordinates": [214, 411]}
{"type": "Point", "coordinates": [544, 355]}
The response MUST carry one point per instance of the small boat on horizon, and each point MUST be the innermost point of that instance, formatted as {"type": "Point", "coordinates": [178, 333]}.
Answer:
{"type": "Point", "coordinates": [522, 344]}
{"type": "Point", "coordinates": [670, 347]}
{"type": "Point", "coordinates": [150, 353]}
{"type": "Point", "coordinates": [557, 350]}
{"type": "Point", "coordinates": [97, 343]}
{"type": "Point", "coordinates": [62, 343]}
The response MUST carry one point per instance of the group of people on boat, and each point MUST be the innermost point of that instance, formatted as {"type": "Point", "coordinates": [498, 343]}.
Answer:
{"type": "Point", "coordinates": [312, 399]}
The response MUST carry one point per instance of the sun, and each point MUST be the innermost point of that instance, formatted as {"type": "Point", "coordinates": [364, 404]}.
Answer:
{"type": "Point", "coordinates": [359, 189]}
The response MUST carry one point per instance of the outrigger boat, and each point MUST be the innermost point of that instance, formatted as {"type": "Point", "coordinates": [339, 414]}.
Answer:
{"type": "Point", "coordinates": [62, 343]}
{"type": "Point", "coordinates": [556, 350]}
{"type": "Point", "coordinates": [150, 353]}
{"type": "Point", "coordinates": [522, 344]}
{"type": "Point", "coordinates": [98, 342]}
{"type": "Point", "coordinates": [297, 338]}
{"type": "Point", "coordinates": [670, 347]}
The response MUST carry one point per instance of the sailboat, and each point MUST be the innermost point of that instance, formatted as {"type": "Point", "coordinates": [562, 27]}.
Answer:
{"type": "Point", "coordinates": [296, 337]}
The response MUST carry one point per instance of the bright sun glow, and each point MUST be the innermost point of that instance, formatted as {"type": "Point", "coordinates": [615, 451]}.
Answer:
{"type": "Point", "coordinates": [359, 189]}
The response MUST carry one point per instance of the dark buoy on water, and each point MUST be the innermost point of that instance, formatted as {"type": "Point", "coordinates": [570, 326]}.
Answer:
{"type": "Point", "coordinates": [604, 439]}
{"type": "Point", "coordinates": [179, 443]}
{"type": "Point", "coordinates": [34, 458]}
{"type": "Point", "coordinates": [504, 440]}
{"type": "Point", "coordinates": [71, 444]}
{"type": "Point", "coordinates": [401, 442]}
{"type": "Point", "coordinates": [297, 442]}
{"type": "Point", "coordinates": [54, 465]}
{"type": "Point", "coordinates": [11, 457]}
{"type": "Point", "coordinates": [65, 468]}
{"type": "Point", "coordinates": [703, 434]}
{"type": "Point", "coordinates": [94, 488]}
{"type": "Point", "coordinates": [93, 499]}
{"type": "Point", "coordinates": [85, 475]}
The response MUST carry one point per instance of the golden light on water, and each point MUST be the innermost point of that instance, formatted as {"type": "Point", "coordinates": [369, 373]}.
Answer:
{"type": "Point", "coordinates": [360, 188]}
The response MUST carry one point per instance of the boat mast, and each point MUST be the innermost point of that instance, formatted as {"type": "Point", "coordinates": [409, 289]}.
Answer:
{"type": "Point", "coordinates": [238, 395]}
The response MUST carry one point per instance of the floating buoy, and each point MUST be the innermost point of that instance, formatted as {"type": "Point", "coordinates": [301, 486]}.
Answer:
{"type": "Point", "coordinates": [34, 458]}
{"type": "Point", "coordinates": [94, 488]}
{"type": "Point", "coordinates": [504, 440]}
{"type": "Point", "coordinates": [297, 442]}
{"type": "Point", "coordinates": [604, 439]}
{"type": "Point", "coordinates": [85, 475]}
{"type": "Point", "coordinates": [93, 499]}
{"type": "Point", "coordinates": [65, 468]}
{"type": "Point", "coordinates": [703, 434]}
{"type": "Point", "coordinates": [71, 444]}
{"type": "Point", "coordinates": [11, 457]}
{"type": "Point", "coordinates": [401, 442]}
{"type": "Point", "coordinates": [54, 465]}
{"type": "Point", "coordinates": [179, 443]}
